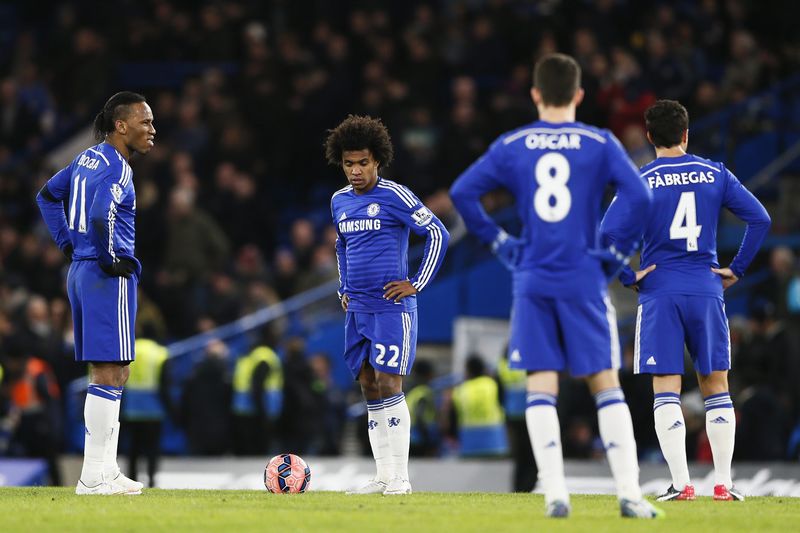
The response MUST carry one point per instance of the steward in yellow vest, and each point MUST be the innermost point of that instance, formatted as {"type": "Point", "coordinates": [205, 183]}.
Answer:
{"type": "Point", "coordinates": [481, 423]}
{"type": "Point", "coordinates": [257, 399]}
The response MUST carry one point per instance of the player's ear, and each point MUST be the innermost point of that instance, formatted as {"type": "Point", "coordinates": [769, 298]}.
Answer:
{"type": "Point", "coordinates": [121, 126]}
{"type": "Point", "coordinates": [650, 138]}
{"type": "Point", "coordinates": [578, 98]}
{"type": "Point", "coordinates": [536, 96]}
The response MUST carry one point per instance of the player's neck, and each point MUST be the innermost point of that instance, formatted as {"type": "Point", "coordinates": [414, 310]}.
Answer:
{"type": "Point", "coordinates": [672, 151]}
{"type": "Point", "coordinates": [120, 147]}
{"type": "Point", "coordinates": [557, 115]}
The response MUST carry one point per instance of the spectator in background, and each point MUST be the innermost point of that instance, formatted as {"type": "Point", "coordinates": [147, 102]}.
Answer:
{"type": "Point", "coordinates": [146, 404]}
{"type": "Point", "coordinates": [513, 390]}
{"type": "Point", "coordinates": [195, 248]}
{"type": "Point", "coordinates": [35, 402]}
{"type": "Point", "coordinates": [478, 414]}
{"type": "Point", "coordinates": [425, 434]}
{"type": "Point", "coordinates": [331, 405]}
{"type": "Point", "coordinates": [300, 417]}
{"type": "Point", "coordinates": [257, 399]}
{"type": "Point", "coordinates": [205, 403]}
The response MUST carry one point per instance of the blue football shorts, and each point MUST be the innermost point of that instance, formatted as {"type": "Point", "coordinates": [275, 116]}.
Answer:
{"type": "Point", "coordinates": [554, 333]}
{"type": "Point", "coordinates": [387, 340]}
{"type": "Point", "coordinates": [664, 324]}
{"type": "Point", "coordinates": [103, 313]}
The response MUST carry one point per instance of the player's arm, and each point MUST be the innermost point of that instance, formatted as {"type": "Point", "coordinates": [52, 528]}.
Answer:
{"type": "Point", "coordinates": [744, 205]}
{"type": "Point", "coordinates": [610, 229]}
{"type": "Point", "coordinates": [483, 176]}
{"type": "Point", "coordinates": [51, 204]}
{"type": "Point", "coordinates": [103, 218]}
{"type": "Point", "coordinates": [422, 222]}
{"type": "Point", "coordinates": [341, 264]}
{"type": "Point", "coordinates": [632, 201]}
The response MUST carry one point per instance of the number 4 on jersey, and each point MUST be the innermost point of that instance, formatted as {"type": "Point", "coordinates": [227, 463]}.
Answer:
{"type": "Point", "coordinates": [684, 223]}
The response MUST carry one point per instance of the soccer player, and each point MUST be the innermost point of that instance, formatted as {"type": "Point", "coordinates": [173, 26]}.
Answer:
{"type": "Point", "coordinates": [97, 234]}
{"type": "Point", "coordinates": [680, 291]}
{"type": "Point", "coordinates": [373, 217]}
{"type": "Point", "coordinates": [557, 169]}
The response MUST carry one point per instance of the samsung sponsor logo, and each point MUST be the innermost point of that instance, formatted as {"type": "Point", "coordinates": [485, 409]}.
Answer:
{"type": "Point", "coordinates": [351, 226]}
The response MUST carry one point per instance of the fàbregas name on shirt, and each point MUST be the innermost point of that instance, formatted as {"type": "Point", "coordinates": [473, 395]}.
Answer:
{"type": "Point", "coordinates": [679, 178]}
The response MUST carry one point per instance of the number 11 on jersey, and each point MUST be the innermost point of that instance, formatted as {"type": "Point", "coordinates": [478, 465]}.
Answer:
{"type": "Point", "coordinates": [684, 223]}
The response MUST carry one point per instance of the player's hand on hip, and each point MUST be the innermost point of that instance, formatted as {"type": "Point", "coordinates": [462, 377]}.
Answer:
{"type": "Point", "coordinates": [638, 276]}
{"type": "Point", "coordinates": [611, 259]}
{"type": "Point", "coordinates": [397, 290]}
{"type": "Point", "coordinates": [121, 267]}
{"type": "Point", "coordinates": [508, 250]}
{"type": "Point", "coordinates": [345, 299]}
{"type": "Point", "coordinates": [727, 275]}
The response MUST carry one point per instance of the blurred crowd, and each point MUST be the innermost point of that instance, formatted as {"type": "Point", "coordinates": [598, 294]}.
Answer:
{"type": "Point", "coordinates": [233, 200]}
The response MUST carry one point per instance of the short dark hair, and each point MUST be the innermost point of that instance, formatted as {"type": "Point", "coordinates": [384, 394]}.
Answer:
{"type": "Point", "coordinates": [666, 120]}
{"type": "Point", "coordinates": [115, 108]}
{"type": "Point", "coordinates": [359, 133]}
{"type": "Point", "coordinates": [558, 77]}
{"type": "Point", "coordinates": [475, 366]}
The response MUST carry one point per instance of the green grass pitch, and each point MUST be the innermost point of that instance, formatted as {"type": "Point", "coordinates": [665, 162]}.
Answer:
{"type": "Point", "coordinates": [58, 509]}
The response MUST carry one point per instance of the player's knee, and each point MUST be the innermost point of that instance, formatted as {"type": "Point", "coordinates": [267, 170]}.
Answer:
{"type": "Point", "coordinates": [389, 384]}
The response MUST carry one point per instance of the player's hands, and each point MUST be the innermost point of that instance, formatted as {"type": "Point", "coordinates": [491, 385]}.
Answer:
{"type": "Point", "coordinates": [508, 250]}
{"type": "Point", "coordinates": [121, 267]}
{"type": "Point", "coordinates": [345, 300]}
{"type": "Point", "coordinates": [612, 259]}
{"type": "Point", "coordinates": [632, 280]}
{"type": "Point", "coordinates": [397, 290]}
{"type": "Point", "coordinates": [727, 275]}
{"type": "Point", "coordinates": [68, 250]}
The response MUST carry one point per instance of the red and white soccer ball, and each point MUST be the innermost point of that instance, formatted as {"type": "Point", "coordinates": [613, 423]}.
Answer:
{"type": "Point", "coordinates": [287, 473]}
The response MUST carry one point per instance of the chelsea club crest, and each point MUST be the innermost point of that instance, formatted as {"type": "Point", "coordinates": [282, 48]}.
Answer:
{"type": "Point", "coordinates": [373, 209]}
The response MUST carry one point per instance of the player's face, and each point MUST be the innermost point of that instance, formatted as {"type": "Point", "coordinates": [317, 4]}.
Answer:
{"type": "Point", "coordinates": [361, 169]}
{"type": "Point", "coordinates": [140, 133]}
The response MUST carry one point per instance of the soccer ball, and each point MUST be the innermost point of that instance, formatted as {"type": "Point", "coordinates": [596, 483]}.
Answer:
{"type": "Point", "coordinates": [287, 473]}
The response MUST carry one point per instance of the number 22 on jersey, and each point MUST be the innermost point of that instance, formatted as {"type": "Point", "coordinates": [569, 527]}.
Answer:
{"type": "Point", "coordinates": [684, 222]}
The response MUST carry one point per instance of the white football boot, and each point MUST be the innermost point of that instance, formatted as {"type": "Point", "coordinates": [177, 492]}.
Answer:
{"type": "Point", "coordinates": [101, 489]}
{"type": "Point", "coordinates": [372, 487]}
{"type": "Point", "coordinates": [397, 486]}
{"type": "Point", "coordinates": [131, 487]}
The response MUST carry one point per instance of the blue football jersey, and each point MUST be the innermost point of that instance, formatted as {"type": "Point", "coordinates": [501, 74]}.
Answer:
{"type": "Point", "coordinates": [557, 174]}
{"type": "Point", "coordinates": [372, 244]}
{"type": "Point", "coordinates": [680, 236]}
{"type": "Point", "coordinates": [99, 221]}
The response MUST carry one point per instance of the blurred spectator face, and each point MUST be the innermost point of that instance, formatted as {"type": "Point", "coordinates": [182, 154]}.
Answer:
{"type": "Point", "coordinates": [9, 238]}
{"type": "Point", "coordinates": [585, 44]}
{"type": "Point", "coordinates": [463, 115]}
{"type": "Point", "coordinates": [244, 187]}
{"type": "Point", "coordinates": [285, 263]}
{"type": "Point", "coordinates": [217, 349]}
{"type": "Point", "coordinates": [656, 45]}
{"type": "Point", "coordinates": [781, 262]}
{"type": "Point", "coordinates": [225, 176]}
{"type": "Point", "coordinates": [324, 259]}
{"type": "Point", "coordinates": [707, 95]}
{"type": "Point", "coordinates": [302, 234]}
{"type": "Point", "coordinates": [188, 113]}
{"type": "Point", "coordinates": [181, 202]}
{"type": "Point", "coordinates": [742, 45]}
{"type": "Point", "coordinates": [321, 366]}
{"type": "Point", "coordinates": [37, 315]}
{"type": "Point", "coordinates": [8, 91]}
{"type": "Point", "coordinates": [182, 162]}
{"type": "Point", "coordinates": [464, 89]}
